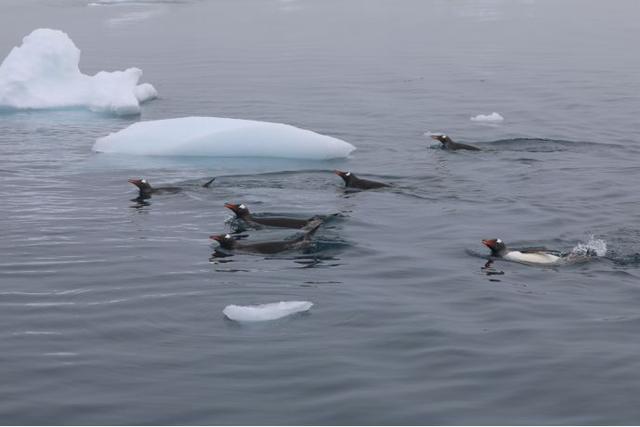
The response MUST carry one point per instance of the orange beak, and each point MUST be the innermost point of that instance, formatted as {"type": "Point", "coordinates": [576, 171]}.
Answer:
{"type": "Point", "coordinates": [232, 206]}
{"type": "Point", "coordinates": [490, 243]}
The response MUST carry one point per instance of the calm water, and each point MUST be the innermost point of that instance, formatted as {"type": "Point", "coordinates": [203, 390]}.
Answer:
{"type": "Point", "coordinates": [111, 311]}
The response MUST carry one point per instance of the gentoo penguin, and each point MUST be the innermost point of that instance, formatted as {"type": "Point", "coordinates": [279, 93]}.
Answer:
{"type": "Point", "coordinates": [303, 241]}
{"type": "Point", "coordinates": [242, 212]}
{"type": "Point", "coordinates": [352, 181]}
{"type": "Point", "coordinates": [146, 190]}
{"type": "Point", "coordinates": [448, 144]}
{"type": "Point", "coordinates": [524, 256]}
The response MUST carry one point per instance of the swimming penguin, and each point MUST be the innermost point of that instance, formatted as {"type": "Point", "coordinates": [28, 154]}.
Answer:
{"type": "Point", "coordinates": [242, 212]}
{"type": "Point", "coordinates": [448, 144]}
{"type": "Point", "coordinates": [146, 190]}
{"type": "Point", "coordinates": [525, 256]}
{"type": "Point", "coordinates": [352, 181]}
{"type": "Point", "coordinates": [303, 241]}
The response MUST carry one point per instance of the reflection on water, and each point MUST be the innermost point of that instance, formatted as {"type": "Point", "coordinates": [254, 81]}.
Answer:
{"type": "Point", "coordinates": [489, 270]}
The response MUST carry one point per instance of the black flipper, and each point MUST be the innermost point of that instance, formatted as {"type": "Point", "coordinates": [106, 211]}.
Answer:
{"type": "Point", "coordinates": [312, 227]}
{"type": "Point", "coordinates": [208, 183]}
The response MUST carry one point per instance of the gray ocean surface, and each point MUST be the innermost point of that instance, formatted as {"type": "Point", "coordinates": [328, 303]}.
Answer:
{"type": "Point", "coordinates": [111, 310]}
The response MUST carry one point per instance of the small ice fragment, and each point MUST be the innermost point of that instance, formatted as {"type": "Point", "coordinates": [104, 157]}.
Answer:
{"type": "Point", "coordinates": [493, 117]}
{"type": "Point", "coordinates": [263, 312]}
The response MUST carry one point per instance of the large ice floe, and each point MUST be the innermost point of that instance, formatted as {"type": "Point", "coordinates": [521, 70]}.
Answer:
{"type": "Point", "coordinates": [44, 73]}
{"type": "Point", "coordinates": [263, 312]}
{"type": "Point", "coordinates": [222, 137]}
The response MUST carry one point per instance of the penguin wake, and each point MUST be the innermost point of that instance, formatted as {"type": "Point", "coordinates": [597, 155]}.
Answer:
{"type": "Point", "coordinates": [594, 248]}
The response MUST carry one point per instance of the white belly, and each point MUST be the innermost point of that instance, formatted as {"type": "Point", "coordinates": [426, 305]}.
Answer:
{"type": "Point", "coordinates": [532, 258]}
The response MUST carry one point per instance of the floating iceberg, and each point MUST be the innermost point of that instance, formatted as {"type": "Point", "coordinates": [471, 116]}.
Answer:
{"type": "Point", "coordinates": [260, 313]}
{"type": "Point", "coordinates": [222, 137]}
{"type": "Point", "coordinates": [43, 73]}
{"type": "Point", "coordinates": [493, 117]}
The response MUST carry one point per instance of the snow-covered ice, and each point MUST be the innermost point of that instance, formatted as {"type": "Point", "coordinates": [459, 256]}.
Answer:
{"type": "Point", "coordinates": [44, 73]}
{"type": "Point", "coordinates": [222, 137]}
{"type": "Point", "coordinates": [493, 117]}
{"type": "Point", "coordinates": [262, 312]}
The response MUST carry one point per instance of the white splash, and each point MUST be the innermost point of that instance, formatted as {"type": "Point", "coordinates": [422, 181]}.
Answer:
{"type": "Point", "coordinates": [594, 247]}
{"type": "Point", "coordinates": [263, 312]}
{"type": "Point", "coordinates": [492, 118]}
{"type": "Point", "coordinates": [222, 137]}
{"type": "Point", "coordinates": [44, 73]}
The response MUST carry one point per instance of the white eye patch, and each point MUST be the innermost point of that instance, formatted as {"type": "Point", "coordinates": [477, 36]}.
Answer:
{"type": "Point", "coordinates": [444, 136]}
{"type": "Point", "coordinates": [498, 241]}
{"type": "Point", "coordinates": [348, 174]}
{"type": "Point", "coordinates": [227, 236]}
{"type": "Point", "coordinates": [242, 207]}
{"type": "Point", "coordinates": [144, 181]}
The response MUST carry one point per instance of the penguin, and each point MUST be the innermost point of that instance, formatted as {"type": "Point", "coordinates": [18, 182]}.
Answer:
{"type": "Point", "coordinates": [540, 256]}
{"type": "Point", "coordinates": [146, 190]}
{"type": "Point", "coordinates": [303, 241]}
{"type": "Point", "coordinates": [448, 144]}
{"type": "Point", "coordinates": [352, 181]}
{"type": "Point", "coordinates": [242, 212]}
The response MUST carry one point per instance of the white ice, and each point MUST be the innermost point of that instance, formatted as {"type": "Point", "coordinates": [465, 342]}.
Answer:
{"type": "Point", "coordinates": [262, 312]}
{"type": "Point", "coordinates": [43, 73]}
{"type": "Point", "coordinates": [493, 117]}
{"type": "Point", "coordinates": [222, 137]}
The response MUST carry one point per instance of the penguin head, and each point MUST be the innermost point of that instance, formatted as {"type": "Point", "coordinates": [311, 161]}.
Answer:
{"type": "Point", "coordinates": [226, 240]}
{"type": "Point", "coordinates": [142, 184]}
{"type": "Point", "coordinates": [240, 210]}
{"type": "Point", "coordinates": [346, 176]}
{"type": "Point", "coordinates": [497, 246]}
{"type": "Point", "coordinates": [444, 139]}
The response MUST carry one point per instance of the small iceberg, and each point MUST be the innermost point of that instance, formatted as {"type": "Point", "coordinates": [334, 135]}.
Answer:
{"type": "Point", "coordinates": [263, 312]}
{"type": "Point", "coordinates": [491, 118]}
{"type": "Point", "coordinates": [222, 137]}
{"type": "Point", "coordinates": [44, 73]}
